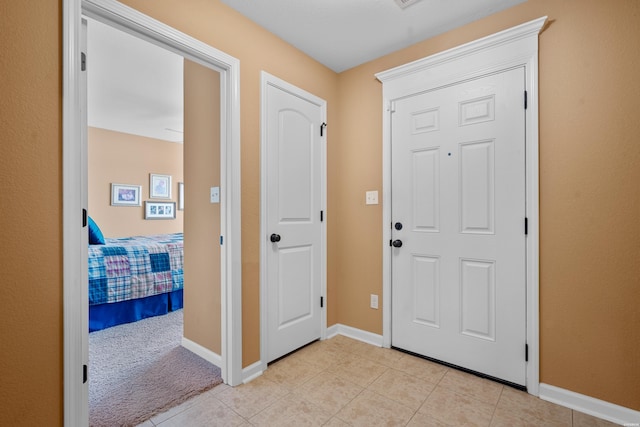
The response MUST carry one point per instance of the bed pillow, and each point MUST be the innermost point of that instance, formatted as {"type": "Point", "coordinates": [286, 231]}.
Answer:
{"type": "Point", "coordinates": [95, 235]}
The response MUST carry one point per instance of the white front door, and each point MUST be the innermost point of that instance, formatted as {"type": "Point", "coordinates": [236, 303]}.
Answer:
{"type": "Point", "coordinates": [292, 229]}
{"type": "Point", "coordinates": [458, 209]}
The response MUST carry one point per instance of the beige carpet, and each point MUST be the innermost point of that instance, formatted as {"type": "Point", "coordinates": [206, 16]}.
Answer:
{"type": "Point", "coordinates": [139, 370]}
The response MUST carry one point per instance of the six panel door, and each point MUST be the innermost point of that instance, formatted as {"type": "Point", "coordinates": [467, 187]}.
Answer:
{"type": "Point", "coordinates": [458, 188]}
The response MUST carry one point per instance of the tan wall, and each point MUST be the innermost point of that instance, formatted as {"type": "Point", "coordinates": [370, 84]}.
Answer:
{"type": "Point", "coordinates": [217, 25]}
{"type": "Point", "coordinates": [122, 158]}
{"type": "Point", "coordinates": [589, 197]}
{"type": "Point", "coordinates": [202, 322]}
{"type": "Point", "coordinates": [31, 213]}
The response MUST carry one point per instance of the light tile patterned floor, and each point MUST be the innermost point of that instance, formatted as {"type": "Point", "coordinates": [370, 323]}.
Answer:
{"type": "Point", "coordinates": [344, 382]}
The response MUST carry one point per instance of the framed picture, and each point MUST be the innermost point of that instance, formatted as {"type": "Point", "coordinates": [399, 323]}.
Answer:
{"type": "Point", "coordinates": [125, 195]}
{"type": "Point", "coordinates": [159, 186]}
{"type": "Point", "coordinates": [159, 210]}
{"type": "Point", "coordinates": [181, 196]}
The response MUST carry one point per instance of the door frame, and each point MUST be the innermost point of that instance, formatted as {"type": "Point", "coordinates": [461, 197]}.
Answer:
{"type": "Point", "coordinates": [74, 188]}
{"type": "Point", "coordinates": [266, 81]}
{"type": "Point", "coordinates": [508, 49]}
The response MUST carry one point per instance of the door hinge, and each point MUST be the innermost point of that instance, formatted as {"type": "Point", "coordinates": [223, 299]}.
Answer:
{"type": "Point", "coordinates": [322, 126]}
{"type": "Point", "coordinates": [84, 218]}
{"type": "Point", "coordinates": [321, 302]}
{"type": "Point", "coordinates": [321, 216]}
{"type": "Point", "coordinates": [526, 226]}
{"type": "Point", "coordinates": [83, 61]}
{"type": "Point", "coordinates": [84, 374]}
{"type": "Point", "coordinates": [525, 100]}
{"type": "Point", "coordinates": [221, 240]}
{"type": "Point", "coordinates": [526, 352]}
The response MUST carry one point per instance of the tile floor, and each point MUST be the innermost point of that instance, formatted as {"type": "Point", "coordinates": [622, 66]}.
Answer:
{"type": "Point", "coordinates": [345, 382]}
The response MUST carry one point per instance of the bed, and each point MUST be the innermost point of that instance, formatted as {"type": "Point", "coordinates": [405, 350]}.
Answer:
{"type": "Point", "coordinates": [132, 278]}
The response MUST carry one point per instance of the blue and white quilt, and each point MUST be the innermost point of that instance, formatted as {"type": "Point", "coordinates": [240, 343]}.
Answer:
{"type": "Point", "coordinates": [135, 267]}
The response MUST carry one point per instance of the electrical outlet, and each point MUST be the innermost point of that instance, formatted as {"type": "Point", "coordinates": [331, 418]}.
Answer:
{"type": "Point", "coordinates": [374, 301]}
{"type": "Point", "coordinates": [214, 195]}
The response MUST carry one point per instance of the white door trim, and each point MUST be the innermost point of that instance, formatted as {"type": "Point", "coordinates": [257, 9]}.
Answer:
{"type": "Point", "coordinates": [75, 312]}
{"type": "Point", "coordinates": [507, 49]}
{"type": "Point", "coordinates": [75, 299]}
{"type": "Point", "coordinates": [270, 80]}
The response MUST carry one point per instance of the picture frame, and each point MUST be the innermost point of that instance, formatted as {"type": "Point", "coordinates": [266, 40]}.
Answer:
{"type": "Point", "coordinates": [159, 210]}
{"type": "Point", "coordinates": [125, 195]}
{"type": "Point", "coordinates": [159, 186]}
{"type": "Point", "coordinates": [181, 196]}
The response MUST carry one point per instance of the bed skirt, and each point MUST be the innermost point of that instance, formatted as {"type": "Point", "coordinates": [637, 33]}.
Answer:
{"type": "Point", "coordinates": [102, 316]}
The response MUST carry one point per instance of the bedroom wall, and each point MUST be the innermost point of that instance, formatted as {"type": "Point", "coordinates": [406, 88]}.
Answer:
{"type": "Point", "coordinates": [589, 198]}
{"type": "Point", "coordinates": [122, 158]}
{"type": "Point", "coordinates": [202, 310]}
{"type": "Point", "coordinates": [257, 49]}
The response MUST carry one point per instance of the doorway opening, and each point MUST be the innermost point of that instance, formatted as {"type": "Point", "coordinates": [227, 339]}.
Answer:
{"type": "Point", "coordinates": [150, 112]}
{"type": "Point", "coordinates": [75, 188]}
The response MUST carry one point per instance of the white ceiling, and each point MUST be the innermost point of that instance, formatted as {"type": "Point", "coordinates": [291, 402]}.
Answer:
{"type": "Point", "coordinates": [136, 87]}
{"type": "Point", "coordinates": [133, 86]}
{"type": "Point", "coordinates": [342, 34]}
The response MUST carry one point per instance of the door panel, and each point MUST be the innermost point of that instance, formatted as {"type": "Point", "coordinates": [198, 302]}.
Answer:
{"type": "Point", "coordinates": [477, 298]}
{"type": "Point", "coordinates": [458, 186]}
{"type": "Point", "coordinates": [426, 290]}
{"type": "Point", "coordinates": [293, 198]}
{"type": "Point", "coordinates": [476, 187]}
{"type": "Point", "coordinates": [295, 300]}
{"type": "Point", "coordinates": [295, 166]}
{"type": "Point", "coordinates": [426, 190]}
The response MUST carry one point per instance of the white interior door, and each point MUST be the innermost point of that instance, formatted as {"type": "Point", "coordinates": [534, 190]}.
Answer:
{"type": "Point", "coordinates": [458, 191]}
{"type": "Point", "coordinates": [293, 220]}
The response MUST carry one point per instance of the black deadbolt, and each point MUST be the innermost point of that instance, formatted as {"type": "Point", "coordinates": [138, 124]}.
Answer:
{"type": "Point", "coordinates": [398, 226]}
{"type": "Point", "coordinates": [275, 238]}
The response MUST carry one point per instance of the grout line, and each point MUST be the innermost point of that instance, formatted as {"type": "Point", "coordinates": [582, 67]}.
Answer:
{"type": "Point", "coordinates": [237, 413]}
{"type": "Point", "coordinates": [230, 408]}
{"type": "Point", "coordinates": [495, 407]}
{"type": "Point", "coordinates": [572, 417]}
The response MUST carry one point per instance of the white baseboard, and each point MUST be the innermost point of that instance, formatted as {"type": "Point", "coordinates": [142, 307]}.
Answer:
{"type": "Point", "coordinates": [252, 372]}
{"type": "Point", "coordinates": [332, 331]}
{"type": "Point", "coordinates": [256, 369]}
{"type": "Point", "coordinates": [589, 405]}
{"type": "Point", "coordinates": [203, 352]}
{"type": "Point", "coordinates": [358, 334]}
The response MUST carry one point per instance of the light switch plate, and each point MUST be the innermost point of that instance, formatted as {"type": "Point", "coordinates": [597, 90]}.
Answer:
{"type": "Point", "coordinates": [371, 198]}
{"type": "Point", "coordinates": [215, 195]}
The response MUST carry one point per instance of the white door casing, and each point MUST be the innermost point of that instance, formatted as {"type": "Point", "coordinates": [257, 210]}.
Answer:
{"type": "Point", "coordinates": [293, 232]}
{"type": "Point", "coordinates": [512, 48]}
{"type": "Point", "coordinates": [458, 287]}
{"type": "Point", "coordinates": [75, 338]}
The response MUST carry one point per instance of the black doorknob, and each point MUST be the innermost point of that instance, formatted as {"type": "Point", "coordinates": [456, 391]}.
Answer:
{"type": "Point", "coordinates": [397, 243]}
{"type": "Point", "coordinates": [275, 238]}
{"type": "Point", "coordinates": [398, 226]}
